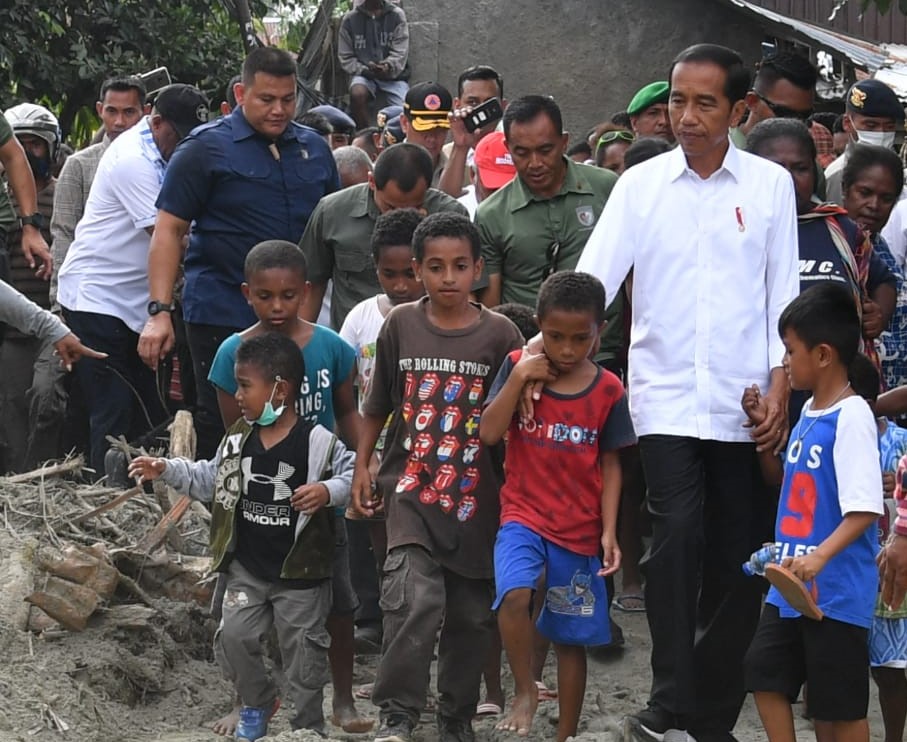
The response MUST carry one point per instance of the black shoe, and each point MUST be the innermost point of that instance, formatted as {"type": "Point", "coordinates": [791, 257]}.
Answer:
{"type": "Point", "coordinates": [455, 730]}
{"type": "Point", "coordinates": [395, 728]}
{"type": "Point", "coordinates": [649, 725]}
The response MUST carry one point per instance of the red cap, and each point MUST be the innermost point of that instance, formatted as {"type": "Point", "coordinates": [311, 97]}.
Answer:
{"type": "Point", "coordinates": [493, 162]}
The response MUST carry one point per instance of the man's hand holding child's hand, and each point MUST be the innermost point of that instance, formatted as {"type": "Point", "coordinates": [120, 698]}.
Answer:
{"type": "Point", "coordinates": [753, 405]}
{"type": "Point", "coordinates": [309, 498]}
{"type": "Point", "coordinates": [535, 370]}
{"type": "Point", "coordinates": [146, 468]}
{"type": "Point", "coordinates": [362, 493]}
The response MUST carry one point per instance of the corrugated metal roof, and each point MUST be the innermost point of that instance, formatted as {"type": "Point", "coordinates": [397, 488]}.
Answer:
{"type": "Point", "coordinates": [861, 53]}
{"type": "Point", "coordinates": [886, 62]}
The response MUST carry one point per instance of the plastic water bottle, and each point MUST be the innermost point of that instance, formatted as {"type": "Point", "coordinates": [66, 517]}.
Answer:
{"type": "Point", "coordinates": [757, 561]}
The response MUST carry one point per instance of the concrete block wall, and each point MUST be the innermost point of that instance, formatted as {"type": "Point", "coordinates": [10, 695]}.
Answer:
{"type": "Point", "coordinates": [591, 55]}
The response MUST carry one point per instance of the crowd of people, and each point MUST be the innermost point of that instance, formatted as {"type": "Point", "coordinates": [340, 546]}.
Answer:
{"type": "Point", "coordinates": [446, 374]}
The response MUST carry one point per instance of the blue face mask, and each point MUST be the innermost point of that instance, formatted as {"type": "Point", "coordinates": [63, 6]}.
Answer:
{"type": "Point", "coordinates": [269, 415]}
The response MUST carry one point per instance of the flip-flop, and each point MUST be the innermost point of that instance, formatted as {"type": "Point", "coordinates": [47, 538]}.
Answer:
{"type": "Point", "coordinates": [364, 691]}
{"type": "Point", "coordinates": [618, 602]}
{"type": "Point", "coordinates": [794, 591]}
{"type": "Point", "coordinates": [545, 693]}
{"type": "Point", "coordinates": [488, 709]}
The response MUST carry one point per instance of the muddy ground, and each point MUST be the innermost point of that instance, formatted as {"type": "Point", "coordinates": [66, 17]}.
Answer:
{"type": "Point", "coordinates": [159, 683]}
{"type": "Point", "coordinates": [153, 679]}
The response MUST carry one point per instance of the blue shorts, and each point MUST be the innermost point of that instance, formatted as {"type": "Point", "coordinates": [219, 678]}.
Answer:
{"type": "Point", "coordinates": [575, 610]}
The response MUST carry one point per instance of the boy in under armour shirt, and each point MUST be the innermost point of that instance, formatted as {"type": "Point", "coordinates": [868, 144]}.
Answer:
{"type": "Point", "coordinates": [272, 486]}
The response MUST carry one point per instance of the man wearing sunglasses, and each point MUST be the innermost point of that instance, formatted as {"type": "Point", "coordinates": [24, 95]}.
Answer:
{"type": "Point", "coordinates": [784, 87]}
{"type": "Point", "coordinates": [872, 114]}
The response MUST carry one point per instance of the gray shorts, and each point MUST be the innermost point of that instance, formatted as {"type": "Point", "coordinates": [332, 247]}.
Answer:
{"type": "Point", "coordinates": [395, 90]}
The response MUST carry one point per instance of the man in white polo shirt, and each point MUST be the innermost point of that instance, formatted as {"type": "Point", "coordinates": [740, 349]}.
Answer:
{"type": "Point", "coordinates": [710, 233]}
{"type": "Point", "coordinates": [103, 283]}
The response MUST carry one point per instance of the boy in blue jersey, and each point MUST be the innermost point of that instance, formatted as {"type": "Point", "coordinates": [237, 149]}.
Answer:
{"type": "Point", "coordinates": [831, 498]}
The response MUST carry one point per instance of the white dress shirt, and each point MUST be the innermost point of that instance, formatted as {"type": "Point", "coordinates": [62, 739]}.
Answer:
{"type": "Point", "coordinates": [106, 267]}
{"type": "Point", "coordinates": [714, 264]}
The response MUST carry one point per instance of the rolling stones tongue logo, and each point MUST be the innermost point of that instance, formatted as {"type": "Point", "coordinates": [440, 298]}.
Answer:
{"type": "Point", "coordinates": [428, 385]}
{"type": "Point", "coordinates": [466, 509]}
{"type": "Point", "coordinates": [454, 388]}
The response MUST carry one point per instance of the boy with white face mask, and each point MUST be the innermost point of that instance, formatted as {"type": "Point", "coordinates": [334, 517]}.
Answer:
{"type": "Point", "coordinates": [872, 116]}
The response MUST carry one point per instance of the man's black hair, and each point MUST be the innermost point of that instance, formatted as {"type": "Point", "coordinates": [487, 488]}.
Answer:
{"type": "Point", "coordinates": [737, 77]}
{"type": "Point", "coordinates": [572, 291]}
{"type": "Point", "coordinates": [582, 146]}
{"type": "Point", "coordinates": [123, 85]}
{"type": "Point", "coordinates": [368, 131]}
{"type": "Point", "coordinates": [393, 229]}
{"type": "Point", "coordinates": [864, 377]}
{"type": "Point", "coordinates": [824, 314]}
{"type": "Point", "coordinates": [767, 131]}
{"type": "Point", "coordinates": [275, 254]}
{"type": "Point", "coordinates": [269, 61]}
{"type": "Point", "coordinates": [406, 164]}
{"type": "Point", "coordinates": [274, 354]}
{"type": "Point", "coordinates": [644, 149]}
{"type": "Point", "coordinates": [317, 121]}
{"type": "Point", "coordinates": [229, 93]}
{"type": "Point", "coordinates": [864, 156]}
{"type": "Point", "coordinates": [622, 119]}
{"type": "Point", "coordinates": [838, 126]}
{"type": "Point", "coordinates": [446, 224]}
{"type": "Point", "coordinates": [480, 72]}
{"type": "Point", "coordinates": [785, 65]}
{"type": "Point", "coordinates": [522, 316]}
{"type": "Point", "coordinates": [825, 118]}
{"type": "Point", "coordinates": [523, 110]}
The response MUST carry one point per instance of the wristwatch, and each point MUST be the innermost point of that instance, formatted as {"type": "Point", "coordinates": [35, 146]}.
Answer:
{"type": "Point", "coordinates": [156, 307]}
{"type": "Point", "coordinates": [35, 220]}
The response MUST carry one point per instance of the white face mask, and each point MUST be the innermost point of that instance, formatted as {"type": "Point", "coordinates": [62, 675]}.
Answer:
{"type": "Point", "coordinates": [879, 138]}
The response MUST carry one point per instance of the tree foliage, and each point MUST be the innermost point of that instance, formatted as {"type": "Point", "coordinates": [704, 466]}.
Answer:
{"type": "Point", "coordinates": [59, 51]}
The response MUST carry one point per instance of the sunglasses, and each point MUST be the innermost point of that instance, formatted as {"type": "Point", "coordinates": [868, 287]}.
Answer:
{"type": "Point", "coordinates": [612, 136]}
{"type": "Point", "coordinates": [783, 112]}
{"type": "Point", "coordinates": [551, 254]}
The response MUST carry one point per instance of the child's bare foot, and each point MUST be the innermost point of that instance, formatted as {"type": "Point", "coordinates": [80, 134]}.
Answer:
{"type": "Point", "coordinates": [348, 719]}
{"type": "Point", "coordinates": [226, 725]}
{"type": "Point", "coordinates": [522, 711]}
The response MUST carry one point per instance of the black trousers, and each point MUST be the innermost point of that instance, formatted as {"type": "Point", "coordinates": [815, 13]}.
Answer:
{"type": "Point", "coordinates": [707, 509]}
{"type": "Point", "coordinates": [204, 340]}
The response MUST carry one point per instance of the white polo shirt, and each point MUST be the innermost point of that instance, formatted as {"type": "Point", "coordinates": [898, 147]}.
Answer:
{"type": "Point", "coordinates": [714, 264]}
{"type": "Point", "coordinates": [106, 267]}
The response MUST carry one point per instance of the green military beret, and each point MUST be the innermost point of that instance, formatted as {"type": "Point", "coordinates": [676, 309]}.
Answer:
{"type": "Point", "coordinates": [654, 92]}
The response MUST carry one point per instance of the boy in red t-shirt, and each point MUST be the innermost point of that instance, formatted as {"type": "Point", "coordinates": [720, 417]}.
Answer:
{"type": "Point", "coordinates": [560, 496]}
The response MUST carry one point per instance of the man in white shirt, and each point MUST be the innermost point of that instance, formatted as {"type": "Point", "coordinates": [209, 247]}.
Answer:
{"type": "Point", "coordinates": [103, 283]}
{"type": "Point", "coordinates": [710, 234]}
{"type": "Point", "coordinates": [120, 107]}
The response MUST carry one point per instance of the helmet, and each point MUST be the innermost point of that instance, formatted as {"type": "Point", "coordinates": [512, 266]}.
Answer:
{"type": "Point", "coordinates": [30, 118]}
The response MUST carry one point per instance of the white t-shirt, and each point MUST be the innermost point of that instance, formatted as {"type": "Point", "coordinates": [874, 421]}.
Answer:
{"type": "Point", "coordinates": [106, 267]}
{"type": "Point", "coordinates": [469, 200]}
{"type": "Point", "coordinates": [360, 329]}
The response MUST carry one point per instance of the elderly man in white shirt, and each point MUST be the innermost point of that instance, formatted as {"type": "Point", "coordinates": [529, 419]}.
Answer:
{"type": "Point", "coordinates": [711, 237]}
{"type": "Point", "coordinates": [103, 282]}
